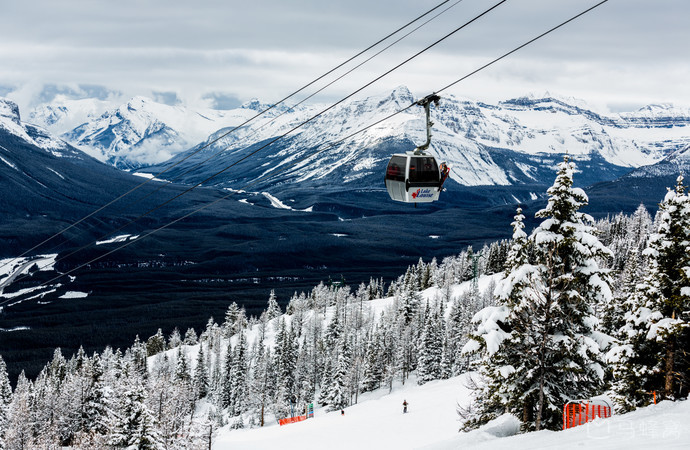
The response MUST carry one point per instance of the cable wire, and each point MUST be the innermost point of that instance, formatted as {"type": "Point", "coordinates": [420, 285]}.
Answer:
{"type": "Point", "coordinates": [225, 134]}
{"type": "Point", "coordinates": [255, 132]}
{"type": "Point", "coordinates": [274, 140]}
{"type": "Point", "coordinates": [126, 244]}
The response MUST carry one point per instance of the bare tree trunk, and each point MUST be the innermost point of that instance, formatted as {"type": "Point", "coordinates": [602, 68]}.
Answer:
{"type": "Point", "coordinates": [540, 409]}
{"type": "Point", "coordinates": [668, 372]}
{"type": "Point", "coordinates": [527, 412]}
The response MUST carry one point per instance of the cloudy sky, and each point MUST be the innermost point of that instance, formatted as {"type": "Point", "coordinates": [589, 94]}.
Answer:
{"type": "Point", "coordinates": [622, 55]}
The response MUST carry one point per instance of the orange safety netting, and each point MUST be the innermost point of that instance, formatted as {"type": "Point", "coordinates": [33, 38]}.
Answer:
{"type": "Point", "coordinates": [575, 414]}
{"type": "Point", "coordinates": [294, 419]}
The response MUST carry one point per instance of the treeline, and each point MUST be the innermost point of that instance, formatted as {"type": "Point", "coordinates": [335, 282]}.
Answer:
{"type": "Point", "coordinates": [583, 311]}
{"type": "Point", "coordinates": [331, 345]}
{"type": "Point", "coordinates": [567, 312]}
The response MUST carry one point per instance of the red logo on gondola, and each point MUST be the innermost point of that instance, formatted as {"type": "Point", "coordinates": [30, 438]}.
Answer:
{"type": "Point", "coordinates": [422, 193]}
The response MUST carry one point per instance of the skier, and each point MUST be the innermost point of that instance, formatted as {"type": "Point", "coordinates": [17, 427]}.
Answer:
{"type": "Point", "coordinates": [404, 406]}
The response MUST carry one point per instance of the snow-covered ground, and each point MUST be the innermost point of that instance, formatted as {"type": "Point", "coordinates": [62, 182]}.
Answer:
{"type": "Point", "coordinates": [377, 422]}
{"type": "Point", "coordinates": [432, 422]}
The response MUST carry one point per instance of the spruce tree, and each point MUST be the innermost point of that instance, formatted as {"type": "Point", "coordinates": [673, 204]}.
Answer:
{"type": "Point", "coordinates": [5, 399]}
{"type": "Point", "coordinates": [134, 426]}
{"type": "Point", "coordinates": [430, 349]}
{"type": "Point", "coordinates": [337, 398]}
{"type": "Point", "coordinates": [653, 351]}
{"type": "Point", "coordinates": [238, 388]}
{"type": "Point", "coordinates": [200, 379]}
{"type": "Point", "coordinates": [273, 309]}
{"type": "Point", "coordinates": [541, 344]}
{"type": "Point", "coordinates": [155, 344]}
{"type": "Point", "coordinates": [18, 432]}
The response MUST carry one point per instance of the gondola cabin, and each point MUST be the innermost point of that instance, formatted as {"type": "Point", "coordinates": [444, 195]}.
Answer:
{"type": "Point", "coordinates": [413, 178]}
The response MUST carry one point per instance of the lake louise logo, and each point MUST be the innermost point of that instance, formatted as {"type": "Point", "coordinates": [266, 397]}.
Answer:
{"type": "Point", "coordinates": [422, 193]}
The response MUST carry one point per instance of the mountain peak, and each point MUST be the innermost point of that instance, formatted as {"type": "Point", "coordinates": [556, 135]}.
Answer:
{"type": "Point", "coordinates": [138, 102]}
{"type": "Point", "coordinates": [253, 104]}
{"type": "Point", "coordinates": [9, 110]}
{"type": "Point", "coordinates": [533, 99]}
{"type": "Point", "coordinates": [402, 94]}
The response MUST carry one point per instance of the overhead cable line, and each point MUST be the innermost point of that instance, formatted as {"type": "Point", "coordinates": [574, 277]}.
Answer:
{"type": "Point", "coordinates": [126, 244]}
{"type": "Point", "coordinates": [225, 134]}
{"type": "Point", "coordinates": [272, 120]}
{"type": "Point", "coordinates": [255, 132]}
{"type": "Point", "coordinates": [274, 140]}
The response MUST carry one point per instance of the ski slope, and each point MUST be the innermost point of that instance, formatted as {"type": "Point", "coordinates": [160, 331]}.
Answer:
{"type": "Point", "coordinates": [377, 422]}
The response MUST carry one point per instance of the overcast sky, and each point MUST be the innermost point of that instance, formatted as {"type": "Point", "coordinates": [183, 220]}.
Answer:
{"type": "Point", "coordinates": [620, 56]}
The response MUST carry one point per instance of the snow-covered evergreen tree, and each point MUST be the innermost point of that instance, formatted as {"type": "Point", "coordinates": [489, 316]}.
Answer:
{"type": "Point", "coordinates": [190, 337]}
{"type": "Point", "coordinates": [5, 400]}
{"type": "Point", "coordinates": [238, 378]}
{"type": "Point", "coordinates": [273, 309]}
{"type": "Point", "coordinates": [652, 352]}
{"type": "Point", "coordinates": [200, 379]}
{"type": "Point", "coordinates": [431, 348]}
{"type": "Point", "coordinates": [18, 433]}
{"type": "Point", "coordinates": [337, 398]}
{"type": "Point", "coordinates": [541, 345]}
{"type": "Point", "coordinates": [155, 344]}
{"type": "Point", "coordinates": [134, 426]}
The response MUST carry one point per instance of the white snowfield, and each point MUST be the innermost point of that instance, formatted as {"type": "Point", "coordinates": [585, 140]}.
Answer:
{"type": "Point", "coordinates": [377, 422]}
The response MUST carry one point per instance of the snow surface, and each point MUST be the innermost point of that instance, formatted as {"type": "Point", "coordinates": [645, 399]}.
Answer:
{"type": "Point", "coordinates": [376, 421]}
{"type": "Point", "coordinates": [74, 294]}
{"type": "Point", "coordinates": [276, 203]}
{"type": "Point", "coordinates": [11, 122]}
{"type": "Point", "coordinates": [432, 423]}
{"type": "Point", "coordinates": [116, 239]}
{"type": "Point", "coordinates": [9, 330]}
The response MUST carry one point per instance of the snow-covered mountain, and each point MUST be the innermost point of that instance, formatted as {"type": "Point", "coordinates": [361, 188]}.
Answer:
{"type": "Point", "coordinates": [11, 123]}
{"type": "Point", "coordinates": [514, 142]}
{"type": "Point", "coordinates": [517, 141]}
{"type": "Point", "coordinates": [139, 132]}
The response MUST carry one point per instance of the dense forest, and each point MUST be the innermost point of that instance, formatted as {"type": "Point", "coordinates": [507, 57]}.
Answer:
{"type": "Point", "coordinates": [574, 309]}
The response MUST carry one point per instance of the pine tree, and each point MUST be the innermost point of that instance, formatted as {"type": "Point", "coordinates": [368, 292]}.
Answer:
{"type": "Point", "coordinates": [337, 398]}
{"type": "Point", "coordinates": [541, 346]}
{"type": "Point", "coordinates": [373, 373]}
{"type": "Point", "coordinates": [326, 381]}
{"type": "Point", "coordinates": [226, 397]}
{"type": "Point", "coordinates": [95, 415]}
{"type": "Point", "coordinates": [652, 355]}
{"type": "Point", "coordinates": [273, 309]}
{"type": "Point", "coordinates": [430, 350]}
{"type": "Point", "coordinates": [18, 432]}
{"type": "Point", "coordinates": [5, 400]}
{"type": "Point", "coordinates": [200, 379]}
{"type": "Point", "coordinates": [286, 362]}
{"type": "Point", "coordinates": [175, 339]}
{"type": "Point", "coordinates": [238, 387]}
{"type": "Point", "coordinates": [155, 344]}
{"type": "Point", "coordinates": [190, 337]}
{"type": "Point", "coordinates": [135, 425]}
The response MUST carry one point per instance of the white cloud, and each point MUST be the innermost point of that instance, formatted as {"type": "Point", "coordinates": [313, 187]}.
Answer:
{"type": "Point", "coordinates": [623, 53]}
